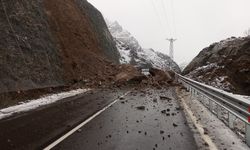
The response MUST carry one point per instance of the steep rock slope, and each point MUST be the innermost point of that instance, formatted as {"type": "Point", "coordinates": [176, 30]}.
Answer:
{"type": "Point", "coordinates": [225, 65]}
{"type": "Point", "coordinates": [131, 52]}
{"type": "Point", "coordinates": [54, 43]}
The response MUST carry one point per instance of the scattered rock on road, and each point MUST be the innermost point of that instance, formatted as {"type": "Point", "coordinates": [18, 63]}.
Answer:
{"type": "Point", "coordinates": [165, 98]}
{"type": "Point", "coordinates": [175, 125]}
{"type": "Point", "coordinates": [141, 107]}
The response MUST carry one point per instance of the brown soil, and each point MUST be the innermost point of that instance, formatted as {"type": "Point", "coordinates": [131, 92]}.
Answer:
{"type": "Point", "coordinates": [82, 57]}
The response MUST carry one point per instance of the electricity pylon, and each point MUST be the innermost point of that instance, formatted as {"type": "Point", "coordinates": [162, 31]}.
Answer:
{"type": "Point", "coordinates": [171, 48]}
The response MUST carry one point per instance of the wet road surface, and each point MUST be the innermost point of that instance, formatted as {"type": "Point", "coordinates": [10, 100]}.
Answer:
{"type": "Point", "coordinates": [143, 120]}
{"type": "Point", "coordinates": [36, 129]}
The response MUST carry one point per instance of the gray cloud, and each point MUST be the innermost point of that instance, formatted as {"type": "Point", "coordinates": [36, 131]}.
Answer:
{"type": "Point", "coordinates": [198, 23]}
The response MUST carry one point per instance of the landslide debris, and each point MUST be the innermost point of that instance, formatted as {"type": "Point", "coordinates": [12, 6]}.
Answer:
{"type": "Point", "coordinates": [52, 45]}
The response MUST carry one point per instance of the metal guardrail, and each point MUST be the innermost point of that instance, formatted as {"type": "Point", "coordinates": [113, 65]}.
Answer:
{"type": "Point", "coordinates": [236, 107]}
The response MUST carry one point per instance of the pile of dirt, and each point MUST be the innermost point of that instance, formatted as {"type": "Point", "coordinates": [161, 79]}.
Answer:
{"type": "Point", "coordinates": [129, 74]}
{"type": "Point", "coordinates": [162, 77]}
{"type": "Point", "coordinates": [159, 78]}
{"type": "Point", "coordinates": [74, 25]}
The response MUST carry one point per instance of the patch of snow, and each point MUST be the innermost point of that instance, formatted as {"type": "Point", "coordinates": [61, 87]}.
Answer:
{"type": "Point", "coordinates": [132, 53]}
{"type": "Point", "coordinates": [206, 67]}
{"type": "Point", "coordinates": [33, 104]}
{"type": "Point", "coordinates": [222, 136]}
{"type": "Point", "coordinates": [218, 82]}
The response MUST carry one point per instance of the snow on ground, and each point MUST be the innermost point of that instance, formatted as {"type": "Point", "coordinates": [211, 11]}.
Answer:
{"type": "Point", "coordinates": [33, 104]}
{"type": "Point", "coordinates": [220, 82]}
{"type": "Point", "coordinates": [125, 54]}
{"type": "Point", "coordinates": [221, 135]}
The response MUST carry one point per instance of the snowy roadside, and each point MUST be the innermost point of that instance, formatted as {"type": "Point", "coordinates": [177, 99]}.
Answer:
{"type": "Point", "coordinates": [33, 104]}
{"type": "Point", "coordinates": [220, 134]}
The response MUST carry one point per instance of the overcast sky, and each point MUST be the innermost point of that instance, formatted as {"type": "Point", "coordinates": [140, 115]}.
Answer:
{"type": "Point", "coordinates": [195, 23]}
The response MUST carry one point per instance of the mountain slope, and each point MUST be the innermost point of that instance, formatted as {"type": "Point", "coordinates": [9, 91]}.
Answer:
{"type": "Point", "coordinates": [225, 65]}
{"type": "Point", "coordinates": [52, 43]}
{"type": "Point", "coordinates": [131, 52]}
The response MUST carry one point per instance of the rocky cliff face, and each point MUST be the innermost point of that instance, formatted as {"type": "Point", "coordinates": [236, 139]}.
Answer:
{"type": "Point", "coordinates": [54, 43]}
{"type": "Point", "coordinates": [132, 53]}
{"type": "Point", "coordinates": [225, 65]}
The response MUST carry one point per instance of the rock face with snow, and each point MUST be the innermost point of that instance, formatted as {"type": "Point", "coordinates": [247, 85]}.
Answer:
{"type": "Point", "coordinates": [224, 65]}
{"type": "Point", "coordinates": [132, 53]}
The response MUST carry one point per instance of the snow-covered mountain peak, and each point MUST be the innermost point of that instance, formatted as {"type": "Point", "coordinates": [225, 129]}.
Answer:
{"type": "Point", "coordinates": [131, 51]}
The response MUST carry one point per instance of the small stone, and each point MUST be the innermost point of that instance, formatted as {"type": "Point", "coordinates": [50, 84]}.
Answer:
{"type": "Point", "coordinates": [175, 125]}
{"type": "Point", "coordinates": [163, 111]}
{"type": "Point", "coordinates": [181, 134]}
{"type": "Point", "coordinates": [206, 144]}
{"type": "Point", "coordinates": [79, 130]}
{"type": "Point", "coordinates": [165, 98]}
{"type": "Point", "coordinates": [205, 130]}
{"type": "Point", "coordinates": [141, 107]}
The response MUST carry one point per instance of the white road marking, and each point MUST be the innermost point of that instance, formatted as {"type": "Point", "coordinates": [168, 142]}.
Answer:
{"type": "Point", "coordinates": [52, 145]}
{"type": "Point", "coordinates": [199, 127]}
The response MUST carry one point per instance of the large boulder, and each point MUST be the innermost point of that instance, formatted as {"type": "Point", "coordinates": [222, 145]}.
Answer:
{"type": "Point", "coordinates": [161, 76]}
{"type": "Point", "coordinates": [129, 74]}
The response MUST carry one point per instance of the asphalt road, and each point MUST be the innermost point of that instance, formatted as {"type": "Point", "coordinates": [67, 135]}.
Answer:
{"type": "Point", "coordinates": [148, 119]}
{"type": "Point", "coordinates": [139, 121]}
{"type": "Point", "coordinates": [36, 129]}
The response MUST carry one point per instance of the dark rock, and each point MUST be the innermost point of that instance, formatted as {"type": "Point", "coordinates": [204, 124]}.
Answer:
{"type": "Point", "coordinates": [165, 98]}
{"type": "Point", "coordinates": [141, 107]}
{"type": "Point", "coordinates": [161, 132]}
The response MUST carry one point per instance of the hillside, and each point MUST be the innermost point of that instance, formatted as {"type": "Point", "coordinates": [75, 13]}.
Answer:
{"type": "Point", "coordinates": [132, 53]}
{"type": "Point", "coordinates": [55, 43]}
{"type": "Point", "coordinates": [224, 64]}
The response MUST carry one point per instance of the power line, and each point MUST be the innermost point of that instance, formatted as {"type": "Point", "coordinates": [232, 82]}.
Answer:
{"type": "Point", "coordinates": [158, 15]}
{"type": "Point", "coordinates": [166, 16]}
{"type": "Point", "coordinates": [173, 17]}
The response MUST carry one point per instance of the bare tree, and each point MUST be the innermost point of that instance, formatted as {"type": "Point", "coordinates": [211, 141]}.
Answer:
{"type": "Point", "coordinates": [247, 32]}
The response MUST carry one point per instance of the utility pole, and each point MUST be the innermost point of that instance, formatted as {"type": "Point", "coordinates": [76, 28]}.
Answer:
{"type": "Point", "coordinates": [171, 48]}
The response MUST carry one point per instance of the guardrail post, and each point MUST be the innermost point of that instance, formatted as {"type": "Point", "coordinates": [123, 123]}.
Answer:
{"type": "Point", "coordinates": [194, 93]}
{"type": "Point", "coordinates": [210, 105]}
{"type": "Point", "coordinates": [247, 134]}
{"type": "Point", "coordinates": [231, 119]}
{"type": "Point", "coordinates": [202, 99]}
{"type": "Point", "coordinates": [191, 91]}
{"type": "Point", "coordinates": [219, 112]}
